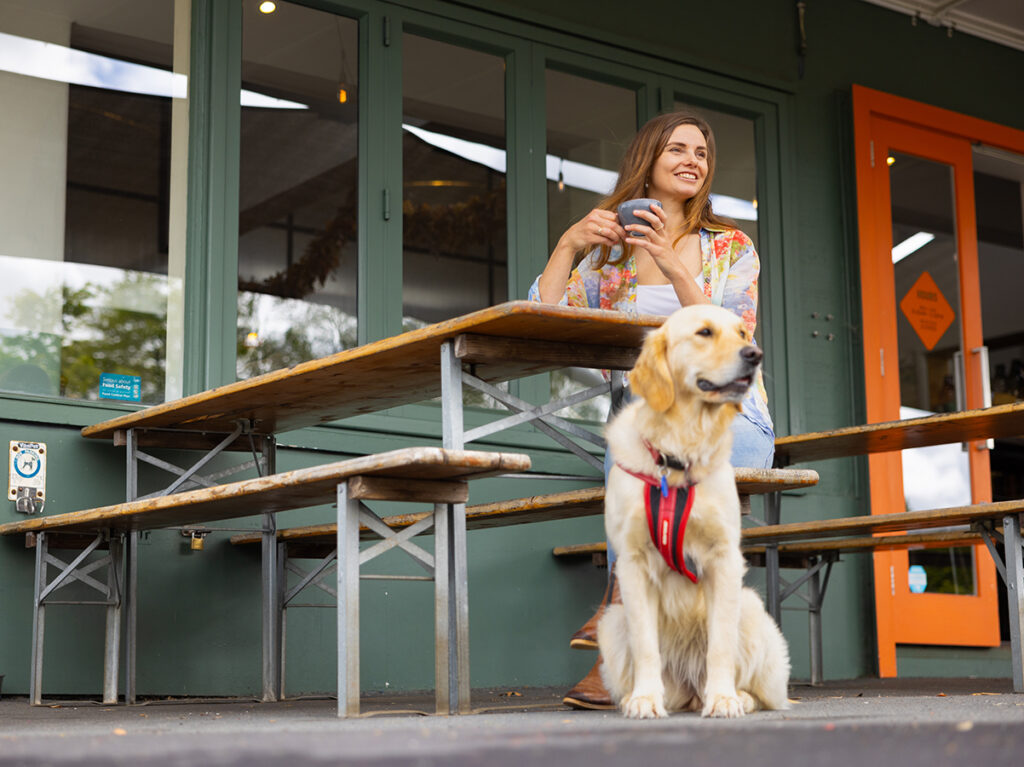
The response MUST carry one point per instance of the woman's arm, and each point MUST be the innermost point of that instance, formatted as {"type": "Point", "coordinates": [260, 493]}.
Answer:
{"type": "Point", "coordinates": [744, 268]}
{"type": "Point", "coordinates": [599, 227]}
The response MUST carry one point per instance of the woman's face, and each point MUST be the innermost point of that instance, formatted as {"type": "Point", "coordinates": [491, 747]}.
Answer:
{"type": "Point", "coordinates": [682, 167]}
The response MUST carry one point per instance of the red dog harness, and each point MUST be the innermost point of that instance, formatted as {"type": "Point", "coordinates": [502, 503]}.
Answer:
{"type": "Point", "coordinates": [668, 510]}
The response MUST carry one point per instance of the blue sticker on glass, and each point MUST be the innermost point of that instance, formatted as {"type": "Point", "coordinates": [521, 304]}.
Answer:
{"type": "Point", "coordinates": [917, 579]}
{"type": "Point", "coordinates": [113, 386]}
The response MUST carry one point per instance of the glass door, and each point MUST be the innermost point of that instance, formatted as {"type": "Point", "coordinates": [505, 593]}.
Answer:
{"type": "Point", "coordinates": [924, 353]}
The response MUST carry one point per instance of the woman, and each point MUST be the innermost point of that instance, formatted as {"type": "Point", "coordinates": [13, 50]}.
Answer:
{"type": "Point", "coordinates": [684, 254]}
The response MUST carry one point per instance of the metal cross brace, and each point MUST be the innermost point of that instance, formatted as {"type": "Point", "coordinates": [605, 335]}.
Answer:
{"type": "Point", "coordinates": [541, 419]}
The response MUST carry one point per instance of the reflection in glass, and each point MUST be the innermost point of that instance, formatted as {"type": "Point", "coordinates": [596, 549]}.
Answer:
{"type": "Point", "coordinates": [454, 240]}
{"type": "Point", "coordinates": [589, 126]}
{"type": "Point", "coordinates": [928, 334]}
{"type": "Point", "coordinates": [735, 187]}
{"type": "Point", "coordinates": [298, 192]}
{"type": "Point", "coordinates": [998, 193]}
{"type": "Point", "coordinates": [85, 241]}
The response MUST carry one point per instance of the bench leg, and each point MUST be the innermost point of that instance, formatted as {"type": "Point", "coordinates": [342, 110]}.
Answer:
{"type": "Point", "coordinates": [131, 608]}
{"type": "Point", "coordinates": [773, 599]}
{"type": "Point", "coordinates": [442, 611]}
{"type": "Point", "coordinates": [348, 603]}
{"type": "Point", "coordinates": [282, 617]}
{"type": "Point", "coordinates": [1015, 594]}
{"type": "Point", "coordinates": [814, 599]}
{"type": "Point", "coordinates": [271, 615]}
{"type": "Point", "coordinates": [35, 684]}
{"type": "Point", "coordinates": [459, 606]}
{"type": "Point", "coordinates": [112, 645]}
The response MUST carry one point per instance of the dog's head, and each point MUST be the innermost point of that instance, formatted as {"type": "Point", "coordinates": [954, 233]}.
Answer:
{"type": "Point", "coordinates": [701, 351]}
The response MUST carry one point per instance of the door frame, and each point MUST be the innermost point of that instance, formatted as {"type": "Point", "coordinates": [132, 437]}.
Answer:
{"type": "Point", "coordinates": [877, 113]}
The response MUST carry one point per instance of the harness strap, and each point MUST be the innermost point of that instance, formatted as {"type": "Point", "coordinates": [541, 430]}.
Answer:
{"type": "Point", "coordinates": [668, 511]}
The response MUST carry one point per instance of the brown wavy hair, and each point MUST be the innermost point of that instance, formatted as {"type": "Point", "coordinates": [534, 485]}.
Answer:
{"type": "Point", "coordinates": [635, 171]}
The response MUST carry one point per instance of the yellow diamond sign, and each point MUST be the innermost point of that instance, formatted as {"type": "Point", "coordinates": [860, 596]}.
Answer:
{"type": "Point", "coordinates": [927, 310]}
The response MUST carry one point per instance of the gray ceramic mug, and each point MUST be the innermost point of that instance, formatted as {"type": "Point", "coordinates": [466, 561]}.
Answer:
{"type": "Point", "coordinates": [627, 213]}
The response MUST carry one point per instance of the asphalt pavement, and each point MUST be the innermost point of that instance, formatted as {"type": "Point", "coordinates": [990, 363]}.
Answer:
{"type": "Point", "coordinates": [867, 722]}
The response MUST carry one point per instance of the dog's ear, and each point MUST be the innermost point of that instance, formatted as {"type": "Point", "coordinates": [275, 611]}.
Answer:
{"type": "Point", "coordinates": [650, 377]}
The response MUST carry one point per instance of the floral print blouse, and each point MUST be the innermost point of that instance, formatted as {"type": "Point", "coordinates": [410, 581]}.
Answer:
{"type": "Point", "coordinates": [730, 271]}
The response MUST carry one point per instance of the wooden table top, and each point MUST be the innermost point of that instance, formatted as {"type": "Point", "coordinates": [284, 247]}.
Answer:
{"type": "Point", "coordinates": [402, 370]}
{"type": "Point", "coordinates": [997, 422]}
{"type": "Point", "coordinates": [279, 492]}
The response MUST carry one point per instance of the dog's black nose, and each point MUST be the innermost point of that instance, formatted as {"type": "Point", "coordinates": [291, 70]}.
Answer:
{"type": "Point", "coordinates": [751, 354]}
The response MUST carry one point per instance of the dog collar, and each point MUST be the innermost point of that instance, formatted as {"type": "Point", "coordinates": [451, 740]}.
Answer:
{"type": "Point", "coordinates": [665, 461]}
{"type": "Point", "coordinates": [668, 510]}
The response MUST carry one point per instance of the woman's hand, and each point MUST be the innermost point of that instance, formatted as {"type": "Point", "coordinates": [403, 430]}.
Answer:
{"type": "Point", "coordinates": [654, 238]}
{"type": "Point", "coordinates": [598, 227]}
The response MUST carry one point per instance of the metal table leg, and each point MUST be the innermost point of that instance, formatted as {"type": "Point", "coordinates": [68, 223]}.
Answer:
{"type": "Point", "coordinates": [1015, 594]}
{"type": "Point", "coordinates": [35, 684]}
{"type": "Point", "coordinates": [348, 603]}
{"type": "Point", "coordinates": [458, 580]}
{"type": "Point", "coordinates": [773, 514]}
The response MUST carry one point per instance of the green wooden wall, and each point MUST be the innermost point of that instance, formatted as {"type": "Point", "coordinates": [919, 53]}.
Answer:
{"type": "Point", "coordinates": [199, 621]}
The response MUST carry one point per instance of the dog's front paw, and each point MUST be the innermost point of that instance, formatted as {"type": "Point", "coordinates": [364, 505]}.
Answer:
{"type": "Point", "coordinates": [644, 707]}
{"type": "Point", "coordinates": [723, 706]}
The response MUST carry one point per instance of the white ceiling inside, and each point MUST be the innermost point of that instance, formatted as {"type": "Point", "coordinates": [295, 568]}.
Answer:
{"type": "Point", "coordinates": [1000, 21]}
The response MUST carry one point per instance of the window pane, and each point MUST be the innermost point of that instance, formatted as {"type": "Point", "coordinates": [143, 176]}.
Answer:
{"type": "Point", "coordinates": [88, 231]}
{"type": "Point", "coordinates": [453, 198]}
{"type": "Point", "coordinates": [589, 126]}
{"type": "Point", "coordinates": [298, 195]}
{"type": "Point", "coordinates": [734, 192]}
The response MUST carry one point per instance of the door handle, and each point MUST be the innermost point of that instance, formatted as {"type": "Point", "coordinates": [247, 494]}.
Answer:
{"type": "Point", "coordinates": [986, 389]}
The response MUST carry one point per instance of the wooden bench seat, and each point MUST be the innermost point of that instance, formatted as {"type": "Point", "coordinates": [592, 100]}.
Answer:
{"type": "Point", "coordinates": [539, 508]}
{"type": "Point", "coordinates": [319, 542]}
{"type": "Point", "coordinates": [419, 474]}
{"type": "Point", "coordinates": [814, 546]}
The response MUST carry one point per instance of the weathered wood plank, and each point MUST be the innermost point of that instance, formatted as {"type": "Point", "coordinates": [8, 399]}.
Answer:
{"type": "Point", "coordinates": [883, 523]}
{"type": "Point", "coordinates": [998, 422]}
{"type": "Point", "coordinates": [387, 373]}
{"type": "Point", "coordinates": [492, 350]}
{"type": "Point", "coordinates": [278, 492]}
{"type": "Point", "coordinates": [422, 490]}
{"type": "Point", "coordinates": [543, 508]}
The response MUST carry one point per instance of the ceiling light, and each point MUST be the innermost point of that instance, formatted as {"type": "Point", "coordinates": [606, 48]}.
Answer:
{"type": "Point", "coordinates": [267, 7]}
{"type": "Point", "coordinates": [890, 160]}
{"type": "Point", "coordinates": [912, 243]}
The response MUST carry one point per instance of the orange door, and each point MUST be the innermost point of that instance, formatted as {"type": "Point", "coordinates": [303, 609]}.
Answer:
{"type": "Point", "coordinates": [923, 353]}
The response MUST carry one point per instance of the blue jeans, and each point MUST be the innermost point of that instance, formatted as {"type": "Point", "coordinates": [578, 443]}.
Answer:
{"type": "Point", "coordinates": [752, 448]}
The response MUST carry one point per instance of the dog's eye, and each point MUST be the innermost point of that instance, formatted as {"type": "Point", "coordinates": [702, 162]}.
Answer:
{"type": "Point", "coordinates": [704, 332]}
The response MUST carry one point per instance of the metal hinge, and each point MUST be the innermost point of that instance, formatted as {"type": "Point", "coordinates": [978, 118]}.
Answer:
{"type": "Point", "coordinates": [872, 153]}
{"type": "Point", "coordinates": [387, 205]}
{"type": "Point", "coordinates": [387, 31]}
{"type": "Point", "coordinates": [892, 579]}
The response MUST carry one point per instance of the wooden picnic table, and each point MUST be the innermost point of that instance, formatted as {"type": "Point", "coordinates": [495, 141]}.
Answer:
{"type": "Point", "coordinates": [503, 342]}
{"type": "Point", "coordinates": [998, 422]}
{"type": "Point", "coordinates": [480, 349]}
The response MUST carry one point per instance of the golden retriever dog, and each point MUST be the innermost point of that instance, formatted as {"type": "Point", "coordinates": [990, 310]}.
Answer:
{"type": "Point", "coordinates": [699, 642]}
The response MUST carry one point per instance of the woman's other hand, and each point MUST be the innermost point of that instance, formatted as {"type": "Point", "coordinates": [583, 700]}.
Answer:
{"type": "Point", "coordinates": [598, 227]}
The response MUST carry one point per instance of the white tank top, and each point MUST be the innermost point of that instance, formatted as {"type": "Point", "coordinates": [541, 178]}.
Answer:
{"type": "Point", "coordinates": [656, 299]}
